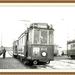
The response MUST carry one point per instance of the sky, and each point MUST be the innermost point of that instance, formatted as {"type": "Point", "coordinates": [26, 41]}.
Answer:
{"type": "Point", "coordinates": [62, 18]}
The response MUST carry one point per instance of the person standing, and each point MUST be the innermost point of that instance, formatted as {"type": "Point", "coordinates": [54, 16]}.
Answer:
{"type": "Point", "coordinates": [4, 52]}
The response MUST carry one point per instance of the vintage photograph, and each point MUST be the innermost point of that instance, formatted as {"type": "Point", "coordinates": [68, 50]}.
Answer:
{"type": "Point", "coordinates": [37, 37]}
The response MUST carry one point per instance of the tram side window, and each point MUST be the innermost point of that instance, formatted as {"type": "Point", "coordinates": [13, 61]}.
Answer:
{"type": "Point", "coordinates": [19, 42]}
{"type": "Point", "coordinates": [51, 36]}
{"type": "Point", "coordinates": [30, 36]}
{"type": "Point", "coordinates": [23, 40]}
{"type": "Point", "coordinates": [36, 36]}
{"type": "Point", "coordinates": [74, 46]}
{"type": "Point", "coordinates": [69, 46]}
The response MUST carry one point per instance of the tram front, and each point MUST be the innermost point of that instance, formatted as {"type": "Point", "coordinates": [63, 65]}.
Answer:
{"type": "Point", "coordinates": [41, 44]}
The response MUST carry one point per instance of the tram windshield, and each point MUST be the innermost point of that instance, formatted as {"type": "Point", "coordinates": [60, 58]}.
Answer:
{"type": "Point", "coordinates": [36, 36]}
{"type": "Point", "coordinates": [43, 37]}
{"type": "Point", "coordinates": [40, 36]}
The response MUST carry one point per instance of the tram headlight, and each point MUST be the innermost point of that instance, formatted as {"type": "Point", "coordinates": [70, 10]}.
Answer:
{"type": "Point", "coordinates": [44, 54]}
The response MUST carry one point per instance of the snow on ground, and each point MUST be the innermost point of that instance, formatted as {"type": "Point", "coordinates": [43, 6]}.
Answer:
{"type": "Point", "coordinates": [63, 64]}
{"type": "Point", "coordinates": [56, 64]}
{"type": "Point", "coordinates": [7, 55]}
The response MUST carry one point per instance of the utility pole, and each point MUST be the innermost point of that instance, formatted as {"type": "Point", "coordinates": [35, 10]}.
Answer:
{"type": "Point", "coordinates": [1, 42]}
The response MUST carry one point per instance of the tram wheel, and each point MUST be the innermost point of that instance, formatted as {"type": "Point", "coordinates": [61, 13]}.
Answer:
{"type": "Point", "coordinates": [14, 56]}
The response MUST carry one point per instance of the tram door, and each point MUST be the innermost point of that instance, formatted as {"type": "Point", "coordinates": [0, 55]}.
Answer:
{"type": "Point", "coordinates": [26, 44]}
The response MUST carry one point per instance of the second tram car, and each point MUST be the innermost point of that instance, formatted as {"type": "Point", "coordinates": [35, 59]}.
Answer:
{"type": "Point", "coordinates": [71, 49]}
{"type": "Point", "coordinates": [15, 50]}
{"type": "Point", "coordinates": [36, 44]}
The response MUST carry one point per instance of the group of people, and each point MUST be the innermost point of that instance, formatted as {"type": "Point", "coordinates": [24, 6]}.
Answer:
{"type": "Point", "coordinates": [3, 52]}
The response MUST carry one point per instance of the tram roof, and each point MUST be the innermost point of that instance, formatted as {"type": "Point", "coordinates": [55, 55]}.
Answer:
{"type": "Point", "coordinates": [72, 41]}
{"type": "Point", "coordinates": [41, 25]}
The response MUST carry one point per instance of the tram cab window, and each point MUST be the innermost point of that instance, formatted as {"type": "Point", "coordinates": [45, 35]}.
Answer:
{"type": "Point", "coordinates": [40, 36]}
{"type": "Point", "coordinates": [43, 37]}
{"type": "Point", "coordinates": [36, 36]}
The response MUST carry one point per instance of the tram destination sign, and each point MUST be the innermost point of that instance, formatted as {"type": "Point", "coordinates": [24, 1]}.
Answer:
{"type": "Point", "coordinates": [42, 25]}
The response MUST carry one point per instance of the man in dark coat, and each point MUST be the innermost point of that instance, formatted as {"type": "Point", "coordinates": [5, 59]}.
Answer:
{"type": "Point", "coordinates": [4, 51]}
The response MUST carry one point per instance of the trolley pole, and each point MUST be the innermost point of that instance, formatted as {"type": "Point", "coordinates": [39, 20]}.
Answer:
{"type": "Point", "coordinates": [25, 21]}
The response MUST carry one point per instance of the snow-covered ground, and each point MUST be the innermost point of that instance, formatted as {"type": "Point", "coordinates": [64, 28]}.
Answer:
{"type": "Point", "coordinates": [56, 64]}
{"type": "Point", "coordinates": [7, 55]}
{"type": "Point", "coordinates": [61, 64]}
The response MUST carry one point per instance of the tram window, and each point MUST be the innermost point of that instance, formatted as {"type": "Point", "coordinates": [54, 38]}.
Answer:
{"type": "Point", "coordinates": [74, 46]}
{"type": "Point", "coordinates": [43, 37]}
{"type": "Point", "coordinates": [51, 40]}
{"type": "Point", "coordinates": [69, 46]}
{"type": "Point", "coordinates": [30, 36]}
{"type": "Point", "coordinates": [19, 42]}
{"type": "Point", "coordinates": [23, 40]}
{"type": "Point", "coordinates": [36, 36]}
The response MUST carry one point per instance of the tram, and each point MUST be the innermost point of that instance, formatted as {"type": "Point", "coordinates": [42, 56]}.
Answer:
{"type": "Point", "coordinates": [36, 44]}
{"type": "Point", "coordinates": [71, 49]}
